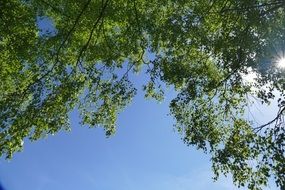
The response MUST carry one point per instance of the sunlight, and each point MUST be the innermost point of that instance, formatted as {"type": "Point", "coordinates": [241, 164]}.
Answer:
{"type": "Point", "coordinates": [250, 77]}
{"type": "Point", "coordinates": [281, 62]}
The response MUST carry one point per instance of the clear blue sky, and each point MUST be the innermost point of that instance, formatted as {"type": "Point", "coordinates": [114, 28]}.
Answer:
{"type": "Point", "coordinates": [145, 154]}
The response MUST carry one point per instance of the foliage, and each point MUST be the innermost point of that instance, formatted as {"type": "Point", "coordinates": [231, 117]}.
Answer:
{"type": "Point", "coordinates": [202, 48]}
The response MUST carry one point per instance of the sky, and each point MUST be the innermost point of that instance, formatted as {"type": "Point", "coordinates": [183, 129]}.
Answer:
{"type": "Point", "coordinates": [145, 153]}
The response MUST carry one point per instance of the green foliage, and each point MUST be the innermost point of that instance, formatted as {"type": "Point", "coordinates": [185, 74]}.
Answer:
{"type": "Point", "coordinates": [201, 48]}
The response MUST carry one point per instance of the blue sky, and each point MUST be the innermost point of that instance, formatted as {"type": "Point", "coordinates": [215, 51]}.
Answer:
{"type": "Point", "coordinates": [145, 153]}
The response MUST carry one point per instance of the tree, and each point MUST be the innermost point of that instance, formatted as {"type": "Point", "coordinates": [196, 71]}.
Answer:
{"type": "Point", "coordinates": [202, 48]}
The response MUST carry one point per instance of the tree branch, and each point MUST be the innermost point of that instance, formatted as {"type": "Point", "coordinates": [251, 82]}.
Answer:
{"type": "Point", "coordinates": [83, 49]}
{"type": "Point", "coordinates": [280, 112]}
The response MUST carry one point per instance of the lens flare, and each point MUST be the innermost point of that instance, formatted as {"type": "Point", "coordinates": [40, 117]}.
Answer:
{"type": "Point", "coordinates": [281, 62]}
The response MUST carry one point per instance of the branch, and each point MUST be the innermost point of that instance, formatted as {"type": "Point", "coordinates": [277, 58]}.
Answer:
{"type": "Point", "coordinates": [280, 112]}
{"type": "Point", "coordinates": [226, 78]}
{"type": "Point", "coordinates": [83, 49]}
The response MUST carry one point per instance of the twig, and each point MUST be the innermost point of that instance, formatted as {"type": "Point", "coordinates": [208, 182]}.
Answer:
{"type": "Point", "coordinates": [280, 112]}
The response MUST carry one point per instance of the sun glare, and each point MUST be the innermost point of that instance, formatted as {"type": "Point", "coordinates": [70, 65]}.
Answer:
{"type": "Point", "coordinates": [281, 62]}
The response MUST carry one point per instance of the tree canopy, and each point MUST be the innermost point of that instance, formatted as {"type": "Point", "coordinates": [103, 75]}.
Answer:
{"type": "Point", "coordinates": [203, 48]}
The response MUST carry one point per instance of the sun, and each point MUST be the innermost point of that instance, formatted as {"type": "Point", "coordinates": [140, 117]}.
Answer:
{"type": "Point", "coordinates": [281, 62]}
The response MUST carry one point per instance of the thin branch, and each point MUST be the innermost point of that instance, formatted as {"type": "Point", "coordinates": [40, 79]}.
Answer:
{"type": "Point", "coordinates": [83, 49]}
{"type": "Point", "coordinates": [280, 112]}
{"type": "Point", "coordinates": [133, 64]}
